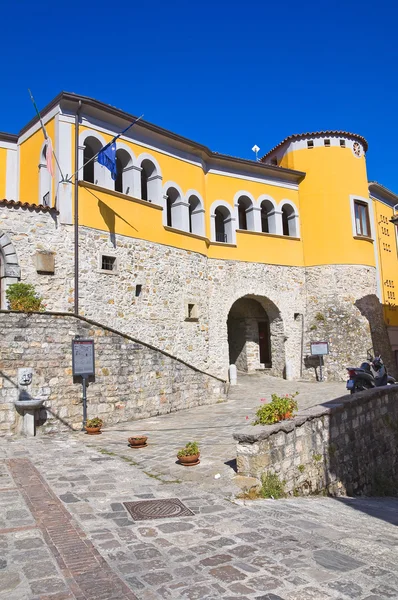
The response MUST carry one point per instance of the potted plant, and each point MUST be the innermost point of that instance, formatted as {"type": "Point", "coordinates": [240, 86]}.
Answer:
{"type": "Point", "coordinates": [279, 409]}
{"type": "Point", "coordinates": [138, 441]}
{"type": "Point", "coordinates": [93, 426]}
{"type": "Point", "coordinates": [189, 455]}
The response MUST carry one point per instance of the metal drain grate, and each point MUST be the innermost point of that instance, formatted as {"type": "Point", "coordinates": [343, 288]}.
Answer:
{"type": "Point", "coordinates": [157, 509]}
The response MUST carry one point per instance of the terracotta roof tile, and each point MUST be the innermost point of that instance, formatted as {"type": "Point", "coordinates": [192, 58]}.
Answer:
{"type": "Point", "coordinates": [29, 206]}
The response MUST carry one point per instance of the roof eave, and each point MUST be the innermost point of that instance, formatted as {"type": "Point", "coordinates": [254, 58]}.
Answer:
{"type": "Point", "coordinates": [279, 172]}
{"type": "Point", "coordinates": [382, 191]}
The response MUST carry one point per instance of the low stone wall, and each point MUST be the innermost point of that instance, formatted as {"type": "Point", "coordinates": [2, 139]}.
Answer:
{"type": "Point", "coordinates": [348, 446]}
{"type": "Point", "coordinates": [133, 380]}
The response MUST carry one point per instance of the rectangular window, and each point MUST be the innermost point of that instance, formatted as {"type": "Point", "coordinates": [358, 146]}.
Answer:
{"type": "Point", "coordinates": [108, 263]}
{"type": "Point", "coordinates": [310, 144]}
{"type": "Point", "coordinates": [342, 143]}
{"type": "Point", "coordinates": [362, 223]}
{"type": "Point", "coordinates": [326, 142]}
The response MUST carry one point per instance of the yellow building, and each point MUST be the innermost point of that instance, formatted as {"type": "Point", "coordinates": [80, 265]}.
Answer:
{"type": "Point", "coordinates": [212, 258]}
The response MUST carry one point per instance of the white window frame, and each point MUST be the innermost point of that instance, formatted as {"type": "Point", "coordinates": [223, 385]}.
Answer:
{"type": "Point", "coordinates": [369, 204]}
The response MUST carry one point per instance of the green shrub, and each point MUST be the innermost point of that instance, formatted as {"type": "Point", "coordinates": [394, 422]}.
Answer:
{"type": "Point", "coordinates": [189, 450]}
{"type": "Point", "coordinates": [23, 297]}
{"type": "Point", "coordinates": [272, 486]}
{"type": "Point", "coordinates": [96, 422]}
{"type": "Point", "coordinates": [280, 408]}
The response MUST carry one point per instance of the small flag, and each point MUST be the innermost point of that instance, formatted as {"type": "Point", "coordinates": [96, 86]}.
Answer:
{"type": "Point", "coordinates": [107, 157]}
{"type": "Point", "coordinates": [49, 157]}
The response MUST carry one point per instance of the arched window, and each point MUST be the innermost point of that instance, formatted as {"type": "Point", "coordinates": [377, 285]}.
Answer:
{"type": "Point", "coordinates": [149, 181]}
{"type": "Point", "coordinates": [196, 215]}
{"type": "Point", "coordinates": [289, 221]}
{"type": "Point", "coordinates": [223, 225]}
{"type": "Point", "coordinates": [267, 223]}
{"type": "Point", "coordinates": [44, 179]}
{"type": "Point", "coordinates": [124, 178]}
{"type": "Point", "coordinates": [245, 213]}
{"type": "Point", "coordinates": [91, 170]}
{"type": "Point", "coordinates": [221, 235]}
{"type": "Point", "coordinates": [173, 200]}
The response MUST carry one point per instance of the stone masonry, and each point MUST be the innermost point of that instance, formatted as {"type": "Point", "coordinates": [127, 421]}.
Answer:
{"type": "Point", "coordinates": [132, 380]}
{"type": "Point", "coordinates": [345, 446]}
{"type": "Point", "coordinates": [302, 304]}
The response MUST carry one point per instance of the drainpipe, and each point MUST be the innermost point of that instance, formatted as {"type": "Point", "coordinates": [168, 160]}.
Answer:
{"type": "Point", "coordinates": [76, 206]}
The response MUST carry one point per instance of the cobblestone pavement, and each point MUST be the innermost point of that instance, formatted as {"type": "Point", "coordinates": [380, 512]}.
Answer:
{"type": "Point", "coordinates": [65, 534]}
{"type": "Point", "coordinates": [211, 426]}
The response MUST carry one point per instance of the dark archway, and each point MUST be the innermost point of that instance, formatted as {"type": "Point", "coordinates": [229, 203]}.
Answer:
{"type": "Point", "coordinates": [255, 335]}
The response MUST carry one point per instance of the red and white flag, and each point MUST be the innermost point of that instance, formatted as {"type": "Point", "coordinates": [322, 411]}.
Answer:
{"type": "Point", "coordinates": [49, 157]}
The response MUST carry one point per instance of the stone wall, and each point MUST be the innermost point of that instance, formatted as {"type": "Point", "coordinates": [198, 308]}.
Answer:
{"type": "Point", "coordinates": [343, 447]}
{"type": "Point", "coordinates": [132, 380]}
{"type": "Point", "coordinates": [301, 304]}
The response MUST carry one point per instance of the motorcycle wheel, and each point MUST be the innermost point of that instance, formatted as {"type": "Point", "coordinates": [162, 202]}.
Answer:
{"type": "Point", "coordinates": [361, 386]}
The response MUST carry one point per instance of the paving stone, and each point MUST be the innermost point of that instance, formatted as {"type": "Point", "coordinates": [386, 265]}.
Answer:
{"type": "Point", "coordinates": [217, 559]}
{"type": "Point", "coordinates": [270, 597]}
{"type": "Point", "coordinates": [69, 498]}
{"type": "Point", "coordinates": [242, 551]}
{"type": "Point", "coordinates": [228, 574]}
{"type": "Point", "coordinates": [385, 591]}
{"type": "Point", "coordinates": [197, 593]}
{"type": "Point", "coordinates": [335, 561]}
{"type": "Point", "coordinates": [157, 578]}
{"type": "Point", "coordinates": [9, 581]}
{"type": "Point", "coordinates": [39, 570]}
{"type": "Point", "coordinates": [175, 527]}
{"type": "Point", "coordinates": [28, 543]}
{"type": "Point", "coordinates": [48, 586]}
{"type": "Point", "coordinates": [346, 588]}
{"type": "Point", "coordinates": [239, 588]}
{"type": "Point", "coordinates": [135, 583]}
{"type": "Point", "coordinates": [308, 593]}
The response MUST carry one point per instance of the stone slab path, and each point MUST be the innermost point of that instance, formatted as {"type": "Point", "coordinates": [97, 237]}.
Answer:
{"type": "Point", "coordinates": [298, 549]}
{"type": "Point", "coordinates": [65, 533]}
{"type": "Point", "coordinates": [211, 426]}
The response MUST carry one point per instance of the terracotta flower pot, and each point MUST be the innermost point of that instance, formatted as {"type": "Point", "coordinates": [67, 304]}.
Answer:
{"type": "Point", "coordinates": [190, 460]}
{"type": "Point", "coordinates": [93, 430]}
{"type": "Point", "coordinates": [138, 441]}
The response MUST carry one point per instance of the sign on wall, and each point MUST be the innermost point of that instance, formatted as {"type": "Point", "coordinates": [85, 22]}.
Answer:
{"type": "Point", "coordinates": [319, 348]}
{"type": "Point", "coordinates": [83, 357]}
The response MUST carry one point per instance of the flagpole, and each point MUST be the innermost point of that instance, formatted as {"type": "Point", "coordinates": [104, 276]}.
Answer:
{"type": "Point", "coordinates": [69, 180]}
{"type": "Point", "coordinates": [45, 133]}
{"type": "Point", "coordinates": [76, 210]}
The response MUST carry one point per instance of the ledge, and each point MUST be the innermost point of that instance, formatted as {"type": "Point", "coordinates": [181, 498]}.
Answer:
{"type": "Point", "coordinates": [252, 434]}
{"type": "Point", "coordinates": [274, 235]}
{"type": "Point", "coordinates": [363, 238]}
{"type": "Point", "coordinates": [103, 190]}
{"type": "Point", "coordinates": [188, 233]}
{"type": "Point", "coordinates": [223, 244]}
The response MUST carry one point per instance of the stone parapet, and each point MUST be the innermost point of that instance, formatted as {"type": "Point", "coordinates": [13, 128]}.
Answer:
{"type": "Point", "coordinates": [348, 446]}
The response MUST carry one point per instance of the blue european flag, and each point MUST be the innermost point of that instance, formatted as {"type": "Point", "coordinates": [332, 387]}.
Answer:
{"type": "Point", "coordinates": [107, 157]}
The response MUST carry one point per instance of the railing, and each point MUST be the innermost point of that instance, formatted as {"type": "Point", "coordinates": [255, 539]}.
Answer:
{"type": "Point", "coordinates": [221, 237]}
{"type": "Point", "coordinates": [46, 199]}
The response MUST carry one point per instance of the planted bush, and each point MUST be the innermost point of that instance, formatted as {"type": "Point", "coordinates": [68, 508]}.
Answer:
{"type": "Point", "coordinates": [96, 422]}
{"type": "Point", "coordinates": [190, 449]}
{"type": "Point", "coordinates": [279, 409]}
{"type": "Point", "coordinates": [23, 297]}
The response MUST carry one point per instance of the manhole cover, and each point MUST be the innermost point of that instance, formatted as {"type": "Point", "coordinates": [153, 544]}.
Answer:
{"type": "Point", "coordinates": [157, 509]}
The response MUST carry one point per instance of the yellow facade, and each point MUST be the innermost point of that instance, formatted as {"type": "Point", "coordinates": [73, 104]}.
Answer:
{"type": "Point", "coordinates": [3, 169]}
{"type": "Point", "coordinates": [333, 174]}
{"type": "Point", "coordinates": [387, 252]}
{"type": "Point", "coordinates": [29, 157]}
{"type": "Point", "coordinates": [327, 179]}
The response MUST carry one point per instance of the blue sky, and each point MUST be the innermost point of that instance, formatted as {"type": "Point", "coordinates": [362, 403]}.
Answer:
{"type": "Point", "coordinates": [226, 75]}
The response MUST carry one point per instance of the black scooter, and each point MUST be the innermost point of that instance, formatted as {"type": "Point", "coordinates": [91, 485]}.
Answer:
{"type": "Point", "coordinates": [372, 373]}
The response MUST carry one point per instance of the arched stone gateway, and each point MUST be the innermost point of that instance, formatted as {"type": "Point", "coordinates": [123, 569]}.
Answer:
{"type": "Point", "coordinates": [10, 271]}
{"type": "Point", "coordinates": [255, 335]}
